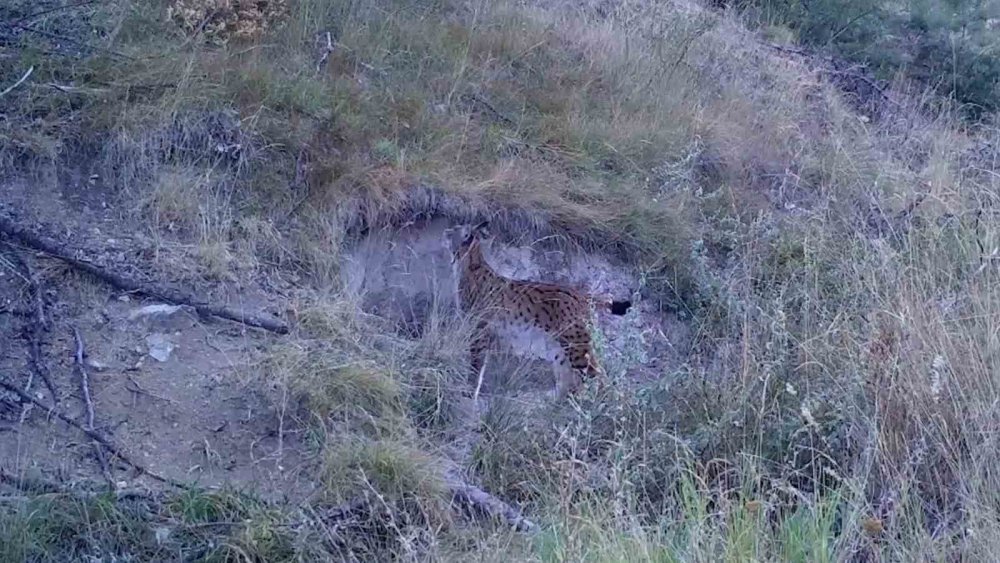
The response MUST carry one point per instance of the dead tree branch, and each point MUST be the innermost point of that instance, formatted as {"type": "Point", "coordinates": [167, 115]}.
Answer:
{"type": "Point", "coordinates": [32, 240]}
{"type": "Point", "coordinates": [93, 435]}
{"type": "Point", "coordinates": [41, 13]}
{"type": "Point", "coordinates": [474, 99]}
{"type": "Point", "coordinates": [481, 502]}
{"type": "Point", "coordinates": [28, 485]}
{"type": "Point", "coordinates": [18, 83]}
{"type": "Point", "coordinates": [81, 371]}
{"type": "Point", "coordinates": [868, 81]}
{"type": "Point", "coordinates": [39, 486]}
{"type": "Point", "coordinates": [84, 379]}
{"type": "Point", "coordinates": [38, 365]}
{"type": "Point", "coordinates": [327, 48]}
{"type": "Point", "coordinates": [784, 49]}
{"type": "Point", "coordinates": [38, 324]}
{"type": "Point", "coordinates": [70, 40]}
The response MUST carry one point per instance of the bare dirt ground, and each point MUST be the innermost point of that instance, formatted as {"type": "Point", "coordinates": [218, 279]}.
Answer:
{"type": "Point", "coordinates": [193, 416]}
{"type": "Point", "coordinates": [199, 411]}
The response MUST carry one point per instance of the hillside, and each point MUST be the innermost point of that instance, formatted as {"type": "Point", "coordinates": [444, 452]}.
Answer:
{"type": "Point", "coordinates": [229, 329]}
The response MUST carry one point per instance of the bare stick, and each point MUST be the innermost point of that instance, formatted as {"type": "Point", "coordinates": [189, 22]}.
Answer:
{"type": "Point", "coordinates": [479, 385]}
{"type": "Point", "coordinates": [327, 49]}
{"type": "Point", "coordinates": [37, 298]}
{"type": "Point", "coordinates": [18, 83]}
{"type": "Point", "coordinates": [39, 14]}
{"type": "Point", "coordinates": [38, 365]}
{"type": "Point", "coordinates": [66, 39]}
{"type": "Point", "coordinates": [84, 379]}
{"type": "Point", "coordinates": [40, 323]}
{"type": "Point", "coordinates": [485, 503]}
{"type": "Point", "coordinates": [489, 108]}
{"type": "Point", "coordinates": [140, 390]}
{"type": "Point", "coordinates": [32, 240]}
{"type": "Point", "coordinates": [93, 435]}
{"type": "Point", "coordinates": [31, 486]}
{"type": "Point", "coordinates": [784, 49]}
{"type": "Point", "coordinates": [28, 485]}
{"type": "Point", "coordinates": [81, 371]}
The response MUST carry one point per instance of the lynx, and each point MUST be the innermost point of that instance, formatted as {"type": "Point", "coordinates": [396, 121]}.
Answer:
{"type": "Point", "coordinates": [524, 311]}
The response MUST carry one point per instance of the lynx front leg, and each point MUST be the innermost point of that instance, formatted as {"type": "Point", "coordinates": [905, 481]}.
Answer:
{"type": "Point", "coordinates": [567, 379]}
{"type": "Point", "coordinates": [478, 345]}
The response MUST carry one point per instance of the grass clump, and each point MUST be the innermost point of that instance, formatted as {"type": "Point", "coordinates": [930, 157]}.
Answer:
{"type": "Point", "coordinates": [388, 468]}
{"type": "Point", "coordinates": [431, 403]}
{"type": "Point", "coordinates": [405, 497]}
{"type": "Point", "coordinates": [53, 527]}
{"type": "Point", "coordinates": [211, 526]}
{"type": "Point", "coordinates": [338, 391]}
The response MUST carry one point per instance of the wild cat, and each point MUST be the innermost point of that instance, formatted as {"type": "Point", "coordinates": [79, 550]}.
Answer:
{"type": "Point", "coordinates": [508, 308]}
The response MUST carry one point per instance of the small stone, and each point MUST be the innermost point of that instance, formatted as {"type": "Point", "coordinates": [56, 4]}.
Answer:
{"type": "Point", "coordinates": [160, 347]}
{"type": "Point", "coordinates": [153, 310]}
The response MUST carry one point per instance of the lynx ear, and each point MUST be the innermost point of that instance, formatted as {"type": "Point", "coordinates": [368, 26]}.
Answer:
{"type": "Point", "coordinates": [482, 229]}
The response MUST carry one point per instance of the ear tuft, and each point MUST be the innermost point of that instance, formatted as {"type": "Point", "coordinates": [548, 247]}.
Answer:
{"type": "Point", "coordinates": [482, 229]}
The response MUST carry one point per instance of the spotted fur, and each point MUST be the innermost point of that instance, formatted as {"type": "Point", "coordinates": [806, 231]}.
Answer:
{"type": "Point", "coordinates": [503, 306]}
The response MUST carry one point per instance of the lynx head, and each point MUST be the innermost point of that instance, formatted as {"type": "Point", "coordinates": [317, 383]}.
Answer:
{"type": "Point", "coordinates": [460, 239]}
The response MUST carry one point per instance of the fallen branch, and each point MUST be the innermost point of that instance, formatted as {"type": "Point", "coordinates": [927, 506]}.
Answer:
{"type": "Point", "coordinates": [868, 81]}
{"type": "Point", "coordinates": [41, 13]}
{"type": "Point", "coordinates": [71, 40]}
{"type": "Point", "coordinates": [38, 300]}
{"type": "Point", "coordinates": [38, 364]}
{"type": "Point", "coordinates": [497, 114]}
{"type": "Point", "coordinates": [327, 49]}
{"type": "Point", "coordinates": [93, 435]}
{"type": "Point", "coordinates": [139, 390]}
{"type": "Point", "coordinates": [32, 240]}
{"type": "Point", "coordinates": [39, 486]}
{"type": "Point", "coordinates": [38, 324]}
{"type": "Point", "coordinates": [472, 497]}
{"type": "Point", "coordinates": [81, 371]}
{"type": "Point", "coordinates": [28, 485]}
{"type": "Point", "coordinates": [84, 379]}
{"type": "Point", "coordinates": [465, 496]}
{"type": "Point", "coordinates": [18, 83]}
{"type": "Point", "coordinates": [783, 49]}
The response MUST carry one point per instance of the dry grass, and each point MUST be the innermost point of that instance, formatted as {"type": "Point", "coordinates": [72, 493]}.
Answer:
{"type": "Point", "coordinates": [839, 398]}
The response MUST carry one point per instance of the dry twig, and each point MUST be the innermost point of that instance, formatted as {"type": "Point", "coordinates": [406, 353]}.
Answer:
{"type": "Point", "coordinates": [39, 324]}
{"type": "Point", "coordinates": [18, 83]}
{"type": "Point", "coordinates": [65, 39]}
{"type": "Point", "coordinates": [482, 502]}
{"type": "Point", "coordinates": [32, 240]}
{"type": "Point", "coordinates": [92, 434]}
{"type": "Point", "coordinates": [28, 485]}
{"type": "Point", "coordinates": [140, 390]}
{"type": "Point", "coordinates": [325, 55]}
{"type": "Point", "coordinates": [41, 13]}
{"type": "Point", "coordinates": [81, 371]}
{"type": "Point", "coordinates": [478, 502]}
